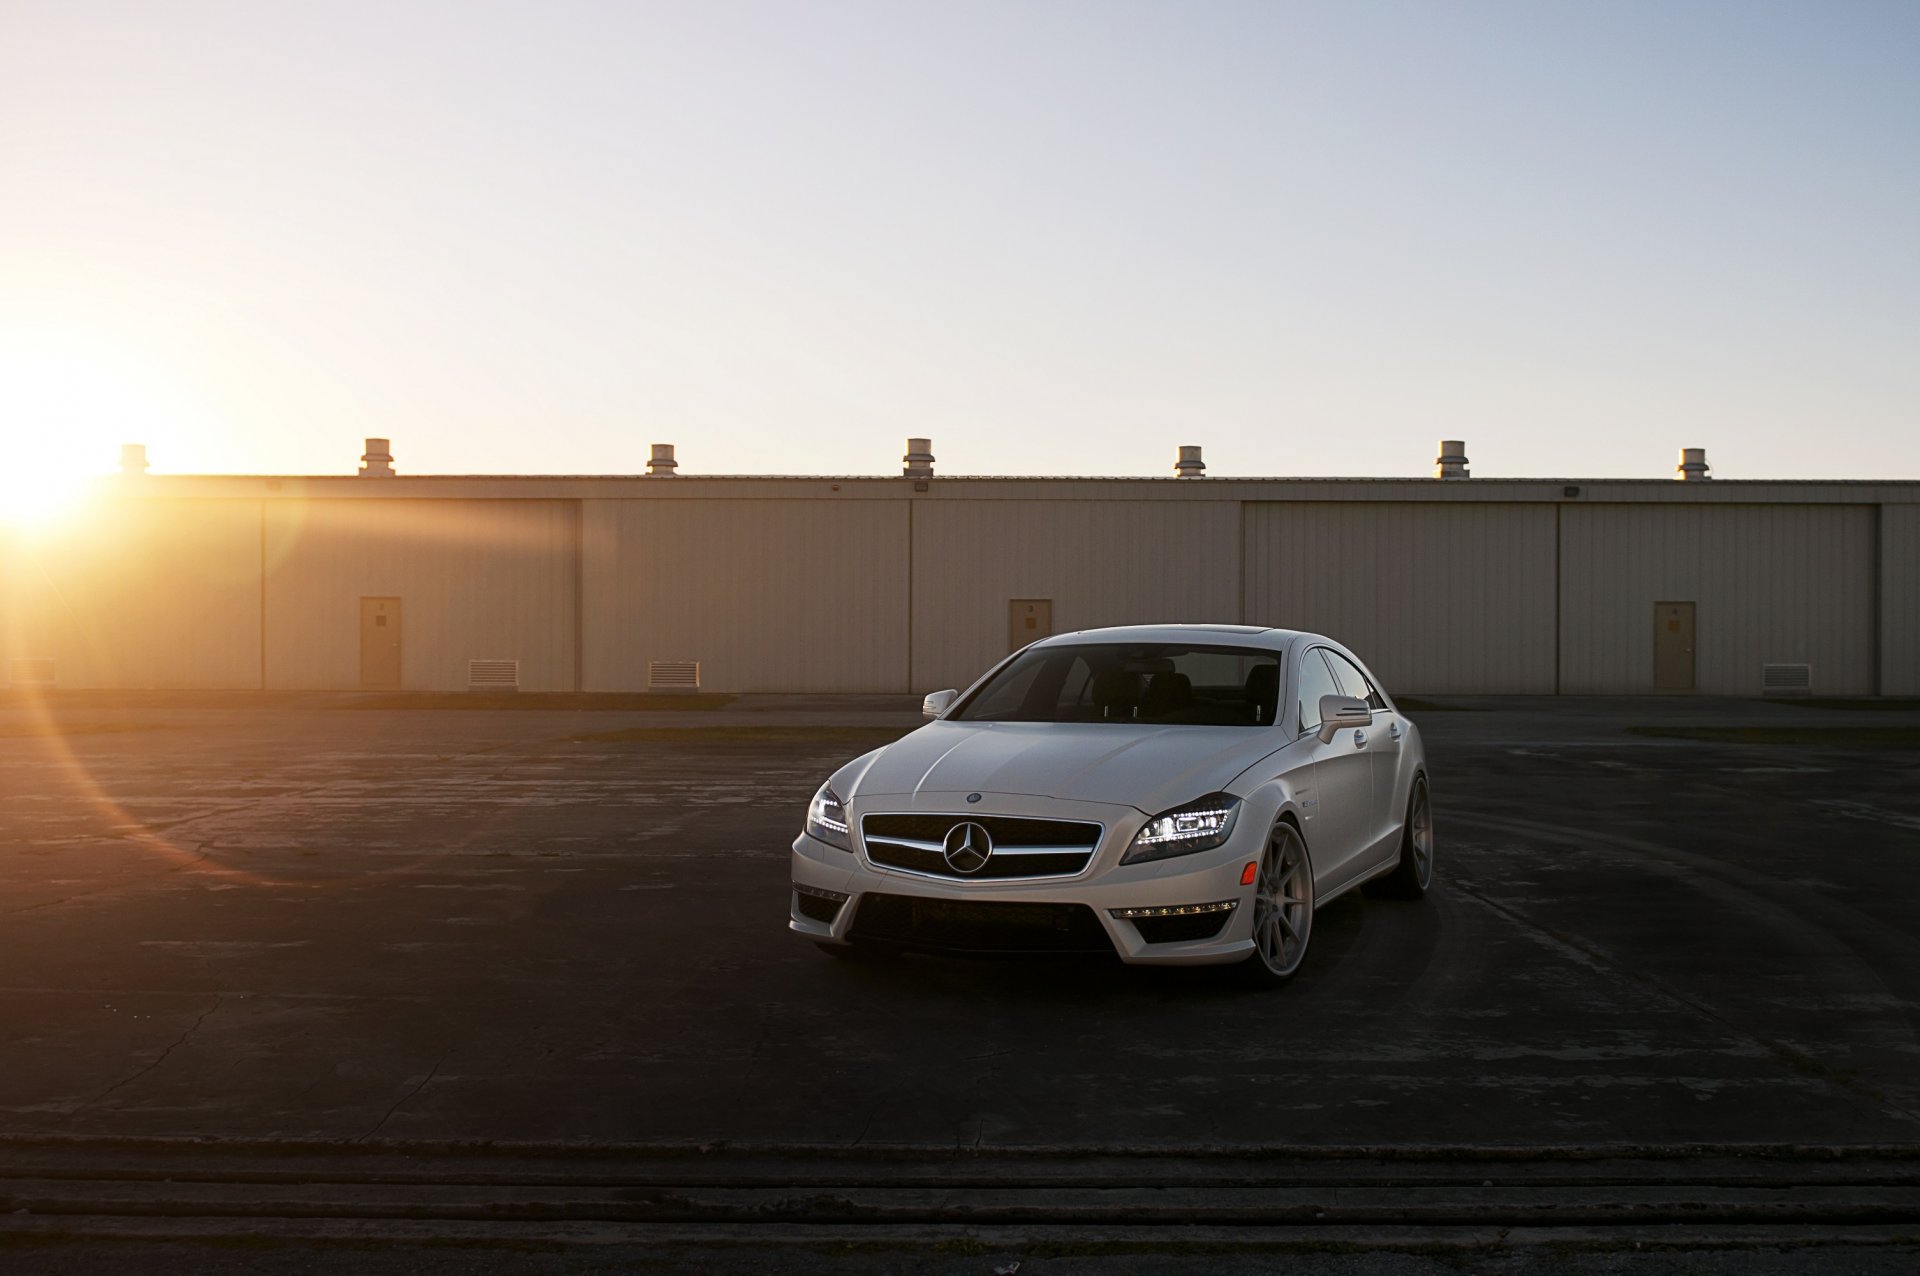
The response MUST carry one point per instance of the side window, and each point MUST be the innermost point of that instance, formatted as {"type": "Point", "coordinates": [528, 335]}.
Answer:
{"type": "Point", "coordinates": [1316, 680]}
{"type": "Point", "coordinates": [1352, 681]}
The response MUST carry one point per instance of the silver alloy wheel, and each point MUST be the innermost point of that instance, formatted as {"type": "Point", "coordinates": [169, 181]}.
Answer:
{"type": "Point", "coordinates": [1283, 903]}
{"type": "Point", "coordinates": [1420, 836]}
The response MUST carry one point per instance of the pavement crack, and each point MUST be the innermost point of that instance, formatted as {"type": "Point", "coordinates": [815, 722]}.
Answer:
{"type": "Point", "coordinates": [403, 1100]}
{"type": "Point", "coordinates": [159, 1059]}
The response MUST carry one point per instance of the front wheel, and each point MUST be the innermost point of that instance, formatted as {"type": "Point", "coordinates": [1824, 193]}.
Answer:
{"type": "Point", "coordinates": [1282, 909]}
{"type": "Point", "coordinates": [1412, 876]}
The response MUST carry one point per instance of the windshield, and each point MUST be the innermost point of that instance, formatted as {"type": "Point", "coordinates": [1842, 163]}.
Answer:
{"type": "Point", "coordinates": [1160, 683]}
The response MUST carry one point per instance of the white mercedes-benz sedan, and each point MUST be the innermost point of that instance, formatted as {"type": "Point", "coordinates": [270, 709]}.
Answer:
{"type": "Point", "coordinates": [1175, 794]}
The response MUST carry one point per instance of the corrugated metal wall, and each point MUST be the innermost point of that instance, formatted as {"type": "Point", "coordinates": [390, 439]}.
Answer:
{"type": "Point", "coordinates": [1452, 597]}
{"type": "Point", "coordinates": [1900, 600]}
{"type": "Point", "coordinates": [1770, 583]}
{"type": "Point", "coordinates": [488, 579]}
{"type": "Point", "coordinates": [768, 595]}
{"type": "Point", "coordinates": [144, 593]}
{"type": "Point", "coordinates": [1100, 562]}
{"type": "Point", "coordinates": [884, 590]}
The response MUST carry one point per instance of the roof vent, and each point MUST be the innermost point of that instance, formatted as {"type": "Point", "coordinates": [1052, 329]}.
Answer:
{"type": "Point", "coordinates": [673, 675]}
{"type": "Point", "coordinates": [1452, 461]}
{"type": "Point", "coordinates": [493, 675]}
{"type": "Point", "coordinates": [919, 459]}
{"type": "Point", "coordinates": [377, 462]}
{"type": "Point", "coordinates": [1693, 465]}
{"type": "Point", "coordinates": [133, 458]}
{"type": "Point", "coordinates": [661, 463]}
{"type": "Point", "coordinates": [1786, 680]}
{"type": "Point", "coordinates": [1190, 465]}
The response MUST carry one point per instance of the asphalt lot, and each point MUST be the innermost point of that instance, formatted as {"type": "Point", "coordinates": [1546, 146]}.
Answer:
{"type": "Point", "coordinates": [300, 925]}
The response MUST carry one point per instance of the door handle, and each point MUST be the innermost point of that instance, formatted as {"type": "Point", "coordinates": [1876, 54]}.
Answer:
{"type": "Point", "coordinates": [1393, 731]}
{"type": "Point", "coordinates": [1359, 739]}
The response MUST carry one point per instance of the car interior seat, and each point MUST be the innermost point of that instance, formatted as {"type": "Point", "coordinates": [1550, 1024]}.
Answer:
{"type": "Point", "coordinates": [1167, 693]}
{"type": "Point", "coordinates": [1263, 693]}
{"type": "Point", "coordinates": [1115, 693]}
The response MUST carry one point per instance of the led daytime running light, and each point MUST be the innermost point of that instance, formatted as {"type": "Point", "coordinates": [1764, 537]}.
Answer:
{"type": "Point", "coordinates": [1175, 910]}
{"type": "Point", "coordinates": [827, 819]}
{"type": "Point", "coordinates": [821, 816]}
{"type": "Point", "coordinates": [1201, 825]}
{"type": "Point", "coordinates": [1184, 825]}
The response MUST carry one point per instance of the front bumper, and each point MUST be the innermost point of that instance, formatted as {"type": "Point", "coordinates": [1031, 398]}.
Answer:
{"type": "Point", "coordinates": [820, 871]}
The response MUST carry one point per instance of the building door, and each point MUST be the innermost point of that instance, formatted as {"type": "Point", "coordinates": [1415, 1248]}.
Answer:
{"type": "Point", "coordinates": [379, 642]}
{"type": "Point", "coordinates": [1028, 620]}
{"type": "Point", "coordinates": [1673, 646]}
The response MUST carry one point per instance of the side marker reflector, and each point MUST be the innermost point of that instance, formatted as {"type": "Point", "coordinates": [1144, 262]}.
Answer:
{"type": "Point", "coordinates": [1250, 872]}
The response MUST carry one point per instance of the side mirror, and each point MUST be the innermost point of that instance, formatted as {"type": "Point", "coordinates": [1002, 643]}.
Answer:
{"type": "Point", "coordinates": [1337, 713]}
{"type": "Point", "coordinates": [938, 703]}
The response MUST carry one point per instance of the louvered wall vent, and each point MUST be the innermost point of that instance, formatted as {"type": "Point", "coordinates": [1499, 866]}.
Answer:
{"type": "Point", "coordinates": [1786, 680]}
{"type": "Point", "coordinates": [673, 675]}
{"type": "Point", "coordinates": [493, 675]}
{"type": "Point", "coordinates": [30, 673]}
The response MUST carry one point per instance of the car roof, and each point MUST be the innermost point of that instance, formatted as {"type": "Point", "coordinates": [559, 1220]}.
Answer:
{"type": "Point", "coordinates": [1214, 635]}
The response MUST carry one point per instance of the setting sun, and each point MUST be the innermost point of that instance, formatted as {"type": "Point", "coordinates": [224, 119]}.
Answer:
{"type": "Point", "coordinates": [67, 409]}
{"type": "Point", "coordinates": [39, 487]}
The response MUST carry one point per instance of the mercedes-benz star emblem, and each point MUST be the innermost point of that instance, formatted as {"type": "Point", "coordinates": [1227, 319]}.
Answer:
{"type": "Point", "coordinates": [967, 848]}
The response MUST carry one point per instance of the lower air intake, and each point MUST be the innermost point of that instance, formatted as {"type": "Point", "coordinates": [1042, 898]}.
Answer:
{"type": "Point", "coordinates": [816, 904]}
{"type": "Point", "coordinates": [1174, 930]}
{"type": "Point", "coordinates": [978, 926]}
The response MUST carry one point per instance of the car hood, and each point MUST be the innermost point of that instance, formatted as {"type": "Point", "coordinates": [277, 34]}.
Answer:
{"type": "Point", "coordinates": [1150, 768]}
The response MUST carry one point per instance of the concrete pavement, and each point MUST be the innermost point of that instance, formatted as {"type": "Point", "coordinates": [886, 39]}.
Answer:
{"type": "Point", "coordinates": [566, 928]}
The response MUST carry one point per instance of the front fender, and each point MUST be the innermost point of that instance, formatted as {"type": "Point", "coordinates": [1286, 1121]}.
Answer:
{"type": "Point", "coordinates": [1413, 762]}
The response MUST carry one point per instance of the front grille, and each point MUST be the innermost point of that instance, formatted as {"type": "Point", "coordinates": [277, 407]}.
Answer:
{"type": "Point", "coordinates": [1173, 930]}
{"type": "Point", "coordinates": [978, 926]}
{"type": "Point", "coordinates": [1022, 847]}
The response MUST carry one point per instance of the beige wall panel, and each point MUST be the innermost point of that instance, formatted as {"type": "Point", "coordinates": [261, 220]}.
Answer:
{"type": "Point", "coordinates": [139, 593]}
{"type": "Point", "coordinates": [1770, 583]}
{"type": "Point", "coordinates": [489, 579]}
{"type": "Point", "coordinates": [1899, 600]}
{"type": "Point", "coordinates": [1441, 597]}
{"type": "Point", "coordinates": [768, 595]}
{"type": "Point", "coordinates": [1100, 562]}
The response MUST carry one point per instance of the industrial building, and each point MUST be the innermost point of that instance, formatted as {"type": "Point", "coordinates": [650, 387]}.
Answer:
{"type": "Point", "coordinates": [912, 583]}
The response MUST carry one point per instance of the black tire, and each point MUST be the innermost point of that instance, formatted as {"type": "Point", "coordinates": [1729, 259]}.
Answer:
{"type": "Point", "coordinates": [1413, 875]}
{"type": "Point", "coordinates": [1282, 910]}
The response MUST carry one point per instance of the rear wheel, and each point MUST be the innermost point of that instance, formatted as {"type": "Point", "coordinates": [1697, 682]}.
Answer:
{"type": "Point", "coordinates": [1412, 876]}
{"type": "Point", "coordinates": [1282, 909]}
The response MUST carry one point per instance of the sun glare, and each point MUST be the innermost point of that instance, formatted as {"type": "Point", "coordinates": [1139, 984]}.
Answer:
{"type": "Point", "coordinates": [40, 486]}
{"type": "Point", "coordinates": [66, 409]}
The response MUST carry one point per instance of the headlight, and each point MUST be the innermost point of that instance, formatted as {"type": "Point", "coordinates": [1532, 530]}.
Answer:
{"type": "Point", "coordinates": [827, 818]}
{"type": "Point", "coordinates": [1200, 825]}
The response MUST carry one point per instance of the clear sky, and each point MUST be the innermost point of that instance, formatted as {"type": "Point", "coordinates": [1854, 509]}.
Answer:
{"type": "Point", "coordinates": [1057, 237]}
